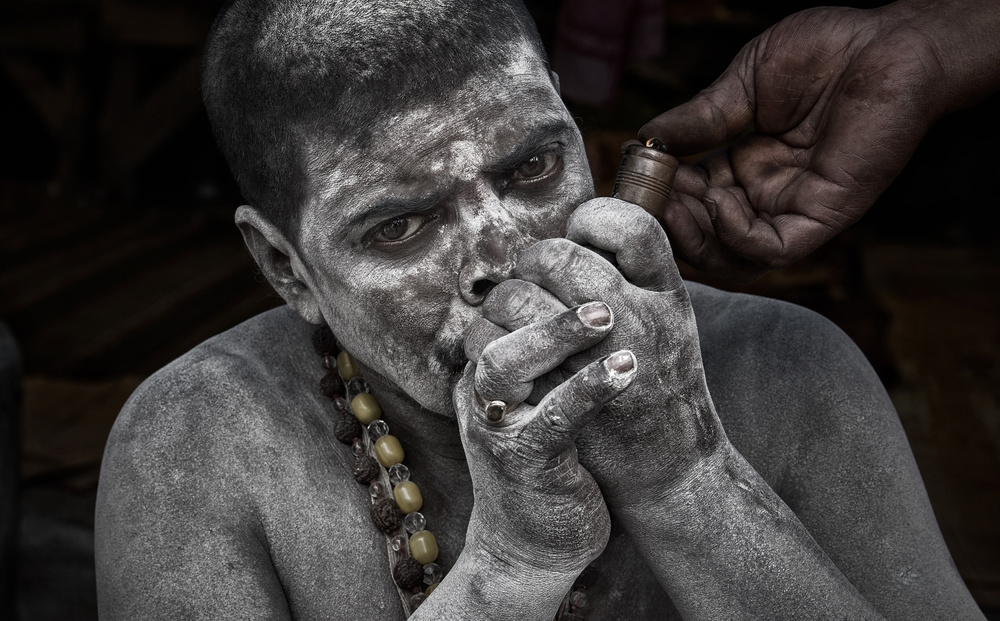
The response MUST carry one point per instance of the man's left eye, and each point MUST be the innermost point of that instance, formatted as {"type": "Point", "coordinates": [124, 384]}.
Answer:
{"type": "Point", "coordinates": [537, 167]}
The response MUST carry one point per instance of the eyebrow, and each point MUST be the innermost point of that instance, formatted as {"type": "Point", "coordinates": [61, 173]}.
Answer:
{"type": "Point", "coordinates": [398, 205]}
{"type": "Point", "coordinates": [529, 145]}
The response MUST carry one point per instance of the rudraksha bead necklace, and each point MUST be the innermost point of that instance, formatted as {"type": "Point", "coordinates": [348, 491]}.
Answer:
{"type": "Point", "coordinates": [379, 464]}
{"type": "Point", "coordinates": [396, 500]}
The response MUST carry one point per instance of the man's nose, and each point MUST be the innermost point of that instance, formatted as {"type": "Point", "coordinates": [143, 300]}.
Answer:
{"type": "Point", "coordinates": [494, 240]}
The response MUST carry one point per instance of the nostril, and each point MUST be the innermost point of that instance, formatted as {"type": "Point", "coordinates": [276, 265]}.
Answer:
{"type": "Point", "coordinates": [481, 287]}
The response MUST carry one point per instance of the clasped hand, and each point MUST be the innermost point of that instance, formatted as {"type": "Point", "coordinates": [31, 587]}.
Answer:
{"type": "Point", "coordinates": [603, 354]}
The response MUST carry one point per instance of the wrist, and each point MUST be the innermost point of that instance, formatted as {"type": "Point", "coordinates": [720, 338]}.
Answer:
{"type": "Point", "coordinates": [960, 42]}
{"type": "Point", "coordinates": [482, 585]}
{"type": "Point", "coordinates": [686, 518]}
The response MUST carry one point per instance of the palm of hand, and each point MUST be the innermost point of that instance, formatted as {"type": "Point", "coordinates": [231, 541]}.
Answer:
{"type": "Point", "coordinates": [838, 104]}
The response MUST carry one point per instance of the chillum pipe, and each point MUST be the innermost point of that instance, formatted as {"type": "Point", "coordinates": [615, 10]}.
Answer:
{"type": "Point", "coordinates": [646, 175]}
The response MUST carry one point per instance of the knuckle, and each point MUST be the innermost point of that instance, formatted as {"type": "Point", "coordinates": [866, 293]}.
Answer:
{"type": "Point", "coordinates": [505, 291]}
{"type": "Point", "coordinates": [498, 373]}
{"type": "Point", "coordinates": [551, 254]}
{"type": "Point", "coordinates": [510, 302]}
{"type": "Point", "coordinates": [650, 229]}
{"type": "Point", "coordinates": [492, 363]}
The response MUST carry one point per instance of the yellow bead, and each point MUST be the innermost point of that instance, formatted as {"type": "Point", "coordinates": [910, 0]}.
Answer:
{"type": "Point", "coordinates": [431, 588]}
{"type": "Point", "coordinates": [346, 365]}
{"type": "Point", "coordinates": [423, 547]}
{"type": "Point", "coordinates": [407, 494]}
{"type": "Point", "coordinates": [366, 409]}
{"type": "Point", "coordinates": [389, 452]}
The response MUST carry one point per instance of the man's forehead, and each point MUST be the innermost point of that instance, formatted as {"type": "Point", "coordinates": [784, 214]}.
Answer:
{"type": "Point", "coordinates": [488, 116]}
{"type": "Point", "coordinates": [491, 95]}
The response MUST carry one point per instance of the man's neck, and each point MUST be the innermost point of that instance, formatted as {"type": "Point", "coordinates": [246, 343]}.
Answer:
{"type": "Point", "coordinates": [421, 431]}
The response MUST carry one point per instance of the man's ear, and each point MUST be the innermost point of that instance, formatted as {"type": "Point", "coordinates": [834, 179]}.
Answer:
{"type": "Point", "coordinates": [555, 81]}
{"type": "Point", "coordinates": [279, 262]}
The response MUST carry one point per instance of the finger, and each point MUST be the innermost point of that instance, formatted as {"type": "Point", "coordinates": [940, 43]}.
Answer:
{"type": "Point", "coordinates": [509, 365]}
{"type": "Point", "coordinates": [715, 115]}
{"type": "Point", "coordinates": [572, 273]}
{"type": "Point", "coordinates": [687, 236]}
{"type": "Point", "coordinates": [691, 227]}
{"type": "Point", "coordinates": [637, 240]}
{"type": "Point", "coordinates": [690, 180]}
{"type": "Point", "coordinates": [560, 416]}
{"type": "Point", "coordinates": [718, 168]}
{"type": "Point", "coordinates": [481, 333]}
{"type": "Point", "coordinates": [771, 241]}
{"type": "Point", "coordinates": [515, 303]}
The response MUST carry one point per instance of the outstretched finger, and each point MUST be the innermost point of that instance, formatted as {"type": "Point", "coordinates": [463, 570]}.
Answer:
{"type": "Point", "coordinates": [509, 365]}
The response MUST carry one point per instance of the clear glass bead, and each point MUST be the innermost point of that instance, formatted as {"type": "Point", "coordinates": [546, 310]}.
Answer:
{"type": "Point", "coordinates": [417, 598]}
{"type": "Point", "coordinates": [397, 472]}
{"type": "Point", "coordinates": [357, 385]}
{"type": "Point", "coordinates": [378, 429]}
{"type": "Point", "coordinates": [577, 598]}
{"type": "Point", "coordinates": [375, 489]}
{"type": "Point", "coordinates": [432, 573]}
{"type": "Point", "coordinates": [414, 521]}
{"type": "Point", "coordinates": [399, 544]}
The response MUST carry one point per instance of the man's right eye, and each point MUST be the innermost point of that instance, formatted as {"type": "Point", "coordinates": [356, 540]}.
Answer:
{"type": "Point", "coordinates": [401, 228]}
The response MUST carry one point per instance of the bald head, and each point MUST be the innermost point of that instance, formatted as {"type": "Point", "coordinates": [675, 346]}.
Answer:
{"type": "Point", "coordinates": [277, 72]}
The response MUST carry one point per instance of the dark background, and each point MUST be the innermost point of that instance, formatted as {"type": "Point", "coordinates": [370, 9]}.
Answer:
{"type": "Point", "coordinates": [118, 253]}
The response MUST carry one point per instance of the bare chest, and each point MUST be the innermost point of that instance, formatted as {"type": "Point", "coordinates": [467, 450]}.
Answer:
{"type": "Point", "coordinates": [333, 563]}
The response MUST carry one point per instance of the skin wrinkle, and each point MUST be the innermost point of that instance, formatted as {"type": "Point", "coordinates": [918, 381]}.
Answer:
{"type": "Point", "coordinates": [464, 160]}
{"type": "Point", "coordinates": [779, 375]}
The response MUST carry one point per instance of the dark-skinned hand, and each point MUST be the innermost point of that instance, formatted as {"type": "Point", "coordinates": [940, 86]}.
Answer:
{"type": "Point", "coordinates": [838, 100]}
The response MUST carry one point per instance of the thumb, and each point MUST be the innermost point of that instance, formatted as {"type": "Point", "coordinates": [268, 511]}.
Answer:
{"type": "Point", "coordinates": [715, 115]}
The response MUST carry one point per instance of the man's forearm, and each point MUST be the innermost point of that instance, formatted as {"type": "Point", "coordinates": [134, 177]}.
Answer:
{"type": "Point", "coordinates": [725, 546]}
{"type": "Point", "coordinates": [482, 587]}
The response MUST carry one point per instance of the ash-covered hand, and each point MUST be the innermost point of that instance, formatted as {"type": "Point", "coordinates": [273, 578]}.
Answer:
{"type": "Point", "coordinates": [537, 511]}
{"type": "Point", "coordinates": [644, 443]}
{"type": "Point", "coordinates": [838, 100]}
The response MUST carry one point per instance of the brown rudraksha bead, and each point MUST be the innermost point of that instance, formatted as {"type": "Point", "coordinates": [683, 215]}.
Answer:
{"type": "Point", "coordinates": [408, 573]}
{"type": "Point", "coordinates": [386, 515]}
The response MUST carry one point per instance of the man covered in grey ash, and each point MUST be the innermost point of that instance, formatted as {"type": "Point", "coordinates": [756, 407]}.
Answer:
{"type": "Point", "coordinates": [538, 431]}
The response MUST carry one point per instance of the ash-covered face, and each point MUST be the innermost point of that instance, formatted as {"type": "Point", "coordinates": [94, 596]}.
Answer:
{"type": "Point", "coordinates": [404, 240]}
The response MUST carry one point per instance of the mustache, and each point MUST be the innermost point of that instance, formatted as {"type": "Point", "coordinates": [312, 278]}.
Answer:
{"type": "Point", "coordinates": [450, 354]}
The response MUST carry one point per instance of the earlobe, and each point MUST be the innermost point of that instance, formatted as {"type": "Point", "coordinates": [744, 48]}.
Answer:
{"type": "Point", "coordinates": [278, 260]}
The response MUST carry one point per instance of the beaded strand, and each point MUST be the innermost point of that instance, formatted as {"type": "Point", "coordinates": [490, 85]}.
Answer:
{"type": "Point", "coordinates": [396, 500]}
{"type": "Point", "coordinates": [379, 464]}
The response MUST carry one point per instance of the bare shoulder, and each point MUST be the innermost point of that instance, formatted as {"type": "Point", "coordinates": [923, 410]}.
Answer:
{"type": "Point", "coordinates": [754, 346]}
{"type": "Point", "coordinates": [220, 476]}
{"type": "Point", "coordinates": [784, 378]}
{"type": "Point", "coordinates": [234, 388]}
{"type": "Point", "coordinates": [802, 404]}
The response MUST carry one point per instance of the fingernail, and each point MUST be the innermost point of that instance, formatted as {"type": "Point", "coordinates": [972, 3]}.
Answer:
{"type": "Point", "coordinates": [595, 315]}
{"type": "Point", "coordinates": [711, 206]}
{"type": "Point", "coordinates": [620, 363]}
